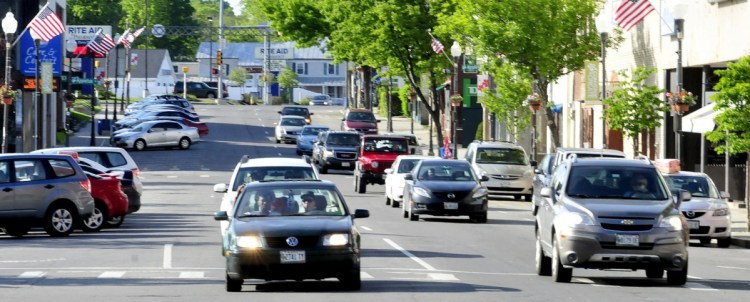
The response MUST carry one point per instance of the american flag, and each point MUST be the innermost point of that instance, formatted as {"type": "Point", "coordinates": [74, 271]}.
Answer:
{"type": "Point", "coordinates": [124, 39]}
{"type": "Point", "coordinates": [46, 25]}
{"type": "Point", "coordinates": [135, 34]}
{"type": "Point", "coordinates": [437, 46]}
{"type": "Point", "coordinates": [631, 12]}
{"type": "Point", "coordinates": [101, 44]}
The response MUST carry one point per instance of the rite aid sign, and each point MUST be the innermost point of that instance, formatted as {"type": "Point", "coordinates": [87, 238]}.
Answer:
{"type": "Point", "coordinates": [86, 32]}
{"type": "Point", "coordinates": [275, 53]}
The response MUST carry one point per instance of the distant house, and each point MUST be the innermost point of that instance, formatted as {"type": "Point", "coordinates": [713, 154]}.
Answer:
{"type": "Point", "coordinates": [315, 69]}
{"type": "Point", "coordinates": [161, 75]}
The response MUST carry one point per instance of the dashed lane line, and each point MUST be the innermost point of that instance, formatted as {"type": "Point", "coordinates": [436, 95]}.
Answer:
{"type": "Point", "coordinates": [410, 255]}
{"type": "Point", "coordinates": [30, 275]}
{"type": "Point", "coordinates": [167, 260]}
{"type": "Point", "coordinates": [110, 275]}
{"type": "Point", "coordinates": [366, 228]}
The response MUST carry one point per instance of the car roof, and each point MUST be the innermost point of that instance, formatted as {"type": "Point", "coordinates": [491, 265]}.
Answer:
{"type": "Point", "coordinates": [293, 106]}
{"type": "Point", "coordinates": [342, 132]}
{"type": "Point", "coordinates": [35, 155]}
{"type": "Point", "coordinates": [399, 134]}
{"type": "Point", "coordinates": [291, 184]}
{"type": "Point", "coordinates": [497, 145]}
{"type": "Point", "coordinates": [412, 156]}
{"type": "Point", "coordinates": [314, 126]}
{"type": "Point", "coordinates": [590, 151]}
{"type": "Point", "coordinates": [82, 149]}
{"type": "Point", "coordinates": [359, 110]}
{"type": "Point", "coordinates": [612, 162]}
{"type": "Point", "coordinates": [274, 162]}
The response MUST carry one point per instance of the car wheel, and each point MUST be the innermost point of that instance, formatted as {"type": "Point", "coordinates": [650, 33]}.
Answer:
{"type": "Point", "coordinates": [97, 219]}
{"type": "Point", "coordinates": [527, 197]}
{"type": "Point", "coordinates": [394, 203]}
{"type": "Point", "coordinates": [115, 222]}
{"type": "Point", "coordinates": [233, 285]}
{"type": "Point", "coordinates": [59, 221]}
{"type": "Point", "coordinates": [403, 209]}
{"type": "Point", "coordinates": [677, 277]}
{"type": "Point", "coordinates": [323, 169]}
{"type": "Point", "coordinates": [359, 186]}
{"type": "Point", "coordinates": [705, 241]}
{"type": "Point", "coordinates": [654, 273]}
{"type": "Point", "coordinates": [387, 200]}
{"type": "Point", "coordinates": [478, 218]}
{"type": "Point", "coordinates": [210, 95]}
{"type": "Point", "coordinates": [559, 272]}
{"type": "Point", "coordinates": [543, 263]}
{"type": "Point", "coordinates": [299, 153]}
{"type": "Point", "coordinates": [353, 281]}
{"type": "Point", "coordinates": [139, 145]}
{"type": "Point", "coordinates": [724, 242]}
{"type": "Point", "coordinates": [278, 141]}
{"type": "Point", "coordinates": [184, 143]}
{"type": "Point", "coordinates": [17, 231]}
{"type": "Point", "coordinates": [412, 216]}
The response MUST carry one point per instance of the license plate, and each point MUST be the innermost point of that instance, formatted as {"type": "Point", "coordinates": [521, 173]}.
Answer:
{"type": "Point", "coordinates": [450, 205]}
{"type": "Point", "coordinates": [694, 224]}
{"type": "Point", "coordinates": [345, 164]}
{"type": "Point", "coordinates": [627, 240]}
{"type": "Point", "coordinates": [292, 256]}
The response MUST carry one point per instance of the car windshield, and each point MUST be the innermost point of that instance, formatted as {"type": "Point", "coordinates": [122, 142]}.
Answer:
{"type": "Point", "coordinates": [407, 165]}
{"type": "Point", "coordinates": [454, 171]}
{"type": "Point", "coordinates": [281, 201]}
{"type": "Point", "coordinates": [342, 139]}
{"type": "Point", "coordinates": [250, 174]}
{"type": "Point", "coordinates": [292, 122]}
{"type": "Point", "coordinates": [698, 186]}
{"type": "Point", "coordinates": [295, 111]}
{"type": "Point", "coordinates": [320, 97]}
{"type": "Point", "coordinates": [313, 130]}
{"type": "Point", "coordinates": [386, 145]}
{"type": "Point", "coordinates": [506, 156]}
{"type": "Point", "coordinates": [615, 183]}
{"type": "Point", "coordinates": [361, 117]}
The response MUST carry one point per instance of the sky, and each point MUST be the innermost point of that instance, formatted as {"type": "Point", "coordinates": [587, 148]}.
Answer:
{"type": "Point", "coordinates": [235, 5]}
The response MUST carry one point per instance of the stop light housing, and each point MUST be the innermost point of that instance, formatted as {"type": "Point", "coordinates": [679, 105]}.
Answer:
{"type": "Point", "coordinates": [214, 71]}
{"type": "Point", "coordinates": [218, 57]}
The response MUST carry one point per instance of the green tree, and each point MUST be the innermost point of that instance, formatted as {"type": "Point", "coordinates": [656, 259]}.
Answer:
{"type": "Point", "coordinates": [634, 106]}
{"type": "Point", "coordinates": [94, 12]}
{"type": "Point", "coordinates": [507, 99]}
{"type": "Point", "coordinates": [167, 13]}
{"type": "Point", "coordinates": [238, 75]}
{"type": "Point", "coordinates": [546, 39]}
{"type": "Point", "coordinates": [288, 80]}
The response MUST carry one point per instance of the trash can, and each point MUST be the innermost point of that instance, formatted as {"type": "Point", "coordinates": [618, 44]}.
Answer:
{"type": "Point", "coordinates": [104, 127]}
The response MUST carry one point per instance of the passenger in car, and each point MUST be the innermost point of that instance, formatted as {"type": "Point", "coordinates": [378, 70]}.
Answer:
{"type": "Point", "coordinates": [278, 207]}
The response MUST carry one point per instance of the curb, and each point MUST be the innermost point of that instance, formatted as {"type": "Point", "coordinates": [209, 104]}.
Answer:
{"type": "Point", "coordinates": [743, 242]}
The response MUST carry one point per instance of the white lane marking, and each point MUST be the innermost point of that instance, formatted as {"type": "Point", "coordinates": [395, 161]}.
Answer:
{"type": "Point", "coordinates": [112, 275]}
{"type": "Point", "coordinates": [192, 275]}
{"type": "Point", "coordinates": [698, 286]}
{"type": "Point", "coordinates": [32, 275]}
{"type": "Point", "coordinates": [31, 261]}
{"type": "Point", "coordinates": [442, 277]}
{"type": "Point", "coordinates": [366, 228]}
{"type": "Point", "coordinates": [694, 277]}
{"type": "Point", "coordinates": [172, 176]}
{"type": "Point", "coordinates": [167, 261]}
{"type": "Point", "coordinates": [410, 255]}
{"type": "Point", "coordinates": [364, 275]}
{"type": "Point", "coordinates": [733, 267]}
{"type": "Point", "coordinates": [205, 176]}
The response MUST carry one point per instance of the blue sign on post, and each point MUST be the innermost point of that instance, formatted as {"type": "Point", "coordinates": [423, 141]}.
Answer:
{"type": "Point", "coordinates": [51, 51]}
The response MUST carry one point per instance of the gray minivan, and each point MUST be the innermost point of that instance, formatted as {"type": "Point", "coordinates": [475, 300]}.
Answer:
{"type": "Point", "coordinates": [44, 190]}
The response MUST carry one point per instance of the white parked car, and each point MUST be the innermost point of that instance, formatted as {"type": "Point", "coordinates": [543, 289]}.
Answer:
{"type": "Point", "coordinates": [707, 213]}
{"type": "Point", "coordinates": [394, 177]}
{"type": "Point", "coordinates": [159, 133]}
{"type": "Point", "coordinates": [506, 164]}
{"type": "Point", "coordinates": [288, 127]}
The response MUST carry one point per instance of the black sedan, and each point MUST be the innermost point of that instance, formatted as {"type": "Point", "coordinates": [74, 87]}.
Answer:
{"type": "Point", "coordinates": [445, 187]}
{"type": "Point", "coordinates": [291, 230]}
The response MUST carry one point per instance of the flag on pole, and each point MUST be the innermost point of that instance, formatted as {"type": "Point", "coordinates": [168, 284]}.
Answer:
{"type": "Point", "coordinates": [135, 34]}
{"type": "Point", "coordinates": [437, 46]}
{"type": "Point", "coordinates": [101, 44]}
{"type": "Point", "coordinates": [631, 12]}
{"type": "Point", "coordinates": [124, 39]}
{"type": "Point", "coordinates": [46, 25]}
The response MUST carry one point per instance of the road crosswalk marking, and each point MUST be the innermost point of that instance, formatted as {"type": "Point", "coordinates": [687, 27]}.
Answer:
{"type": "Point", "coordinates": [112, 275]}
{"type": "Point", "coordinates": [32, 275]}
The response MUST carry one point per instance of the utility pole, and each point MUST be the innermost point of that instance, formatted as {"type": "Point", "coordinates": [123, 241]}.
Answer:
{"type": "Point", "coordinates": [220, 92]}
{"type": "Point", "coordinates": [148, 35]}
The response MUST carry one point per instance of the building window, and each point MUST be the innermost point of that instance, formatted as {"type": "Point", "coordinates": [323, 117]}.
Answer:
{"type": "Point", "coordinates": [175, 68]}
{"type": "Point", "coordinates": [331, 69]}
{"type": "Point", "coordinates": [300, 68]}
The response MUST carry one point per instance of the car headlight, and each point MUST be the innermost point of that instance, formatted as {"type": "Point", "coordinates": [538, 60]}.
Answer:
{"type": "Point", "coordinates": [481, 193]}
{"type": "Point", "coordinates": [721, 212]}
{"type": "Point", "coordinates": [308, 120]}
{"type": "Point", "coordinates": [327, 153]}
{"type": "Point", "coordinates": [335, 239]}
{"type": "Point", "coordinates": [250, 242]}
{"type": "Point", "coordinates": [421, 192]}
{"type": "Point", "coordinates": [374, 164]}
{"type": "Point", "coordinates": [672, 223]}
{"type": "Point", "coordinates": [573, 220]}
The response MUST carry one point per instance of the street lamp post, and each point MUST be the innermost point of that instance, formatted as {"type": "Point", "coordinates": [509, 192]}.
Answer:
{"type": "Point", "coordinates": [412, 98]}
{"type": "Point", "coordinates": [92, 141]}
{"type": "Point", "coordinates": [604, 24]}
{"type": "Point", "coordinates": [456, 53]}
{"type": "Point", "coordinates": [10, 25]}
{"type": "Point", "coordinates": [679, 9]}
{"type": "Point", "coordinates": [211, 51]}
{"type": "Point", "coordinates": [70, 47]}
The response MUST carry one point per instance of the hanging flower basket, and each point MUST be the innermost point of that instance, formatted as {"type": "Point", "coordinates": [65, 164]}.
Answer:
{"type": "Point", "coordinates": [8, 94]}
{"type": "Point", "coordinates": [681, 108]}
{"type": "Point", "coordinates": [681, 101]}
{"type": "Point", "coordinates": [456, 100]}
{"type": "Point", "coordinates": [534, 102]}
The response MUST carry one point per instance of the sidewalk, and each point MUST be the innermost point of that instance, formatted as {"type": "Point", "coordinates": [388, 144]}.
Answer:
{"type": "Point", "coordinates": [739, 228]}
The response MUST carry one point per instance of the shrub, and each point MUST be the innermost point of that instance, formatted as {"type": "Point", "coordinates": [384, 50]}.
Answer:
{"type": "Point", "coordinates": [480, 132]}
{"type": "Point", "coordinates": [277, 100]}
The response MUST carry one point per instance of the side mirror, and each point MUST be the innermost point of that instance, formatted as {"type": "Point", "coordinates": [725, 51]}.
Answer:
{"type": "Point", "coordinates": [408, 177]}
{"type": "Point", "coordinates": [546, 192]}
{"type": "Point", "coordinates": [311, 113]}
{"type": "Point", "coordinates": [533, 163]}
{"type": "Point", "coordinates": [485, 178]}
{"type": "Point", "coordinates": [221, 216]}
{"type": "Point", "coordinates": [220, 188]}
{"type": "Point", "coordinates": [537, 171]}
{"type": "Point", "coordinates": [685, 195]}
{"type": "Point", "coordinates": [279, 112]}
{"type": "Point", "coordinates": [388, 171]}
{"type": "Point", "coordinates": [724, 195]}
{"type": "Point", "coordinates": [377, 121]}
{"type": "Point", "coordinates": [361, 213]}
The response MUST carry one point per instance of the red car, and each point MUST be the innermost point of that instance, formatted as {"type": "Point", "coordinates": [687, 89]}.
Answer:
{"type": "Point", "coordinates": [111, 203]}
{"type": "Point", "coordinates": [202, 127]}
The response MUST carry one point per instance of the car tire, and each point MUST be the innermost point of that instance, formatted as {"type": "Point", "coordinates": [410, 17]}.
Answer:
{"type": "Point", "coordinates": [542, 262]}
{"type": "Point", "coordinates": [387, 200]}
{"type": "Point", "coordinates": [233, 285]}
{"type": "Point", "coordinates": [705, 241]}
{"type": "Point", "coordinates": [654, 273]}
{"type": "Point", "coordinates": [724, 242]}
{"type": "Point", "coordinates": [17, 231]}
{"type": "Point", "coordinates": [97, 219]}
{"type": "Point", "coordinates": [352, 281]}
{"type": "Point", "coordinates": [517, 197]}
{"type": "Point", "coordinates": [115, 222]}
{"type": "Point", "coordinates": [184, 143]}
{"type": "Point", "coordinates": [395, 203]}
{"type": "Point", "coordinates": [359, 186]}
{"type": "Point", "coordinates": [527, 197]}
{"type": "Point", "coordinates": [412, 216]}
{"type": "Point", "coordinates": [323, 169]}
{"type": "Point", "coordinates": [299, 153]}
{"type": "Point", "coordinates": [139, 145]}
{"type": "Point", "coordinates": [403, 209]}
{"type": "Point", "coordinates": [677, 277]}
{"type": "Point", "coordinates": [478, 218]}
{"type": "Point", "coordinates": [560, 273]}
{"type": "Point", "coordinates": [210, 95]}
{"type": "Point", "coordinates": [59, 221]}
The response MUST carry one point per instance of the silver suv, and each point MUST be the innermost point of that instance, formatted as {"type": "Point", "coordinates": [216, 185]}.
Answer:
{"type": "Point", "coordinates": [611, 214]}
{"type": "Point", "coordinates": [507, 166]}
{"type": "Point", "coordinates": [42, 190]}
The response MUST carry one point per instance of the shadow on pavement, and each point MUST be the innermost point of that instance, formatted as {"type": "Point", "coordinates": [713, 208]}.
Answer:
{"type": "Point", "coordinates": [379, 286]}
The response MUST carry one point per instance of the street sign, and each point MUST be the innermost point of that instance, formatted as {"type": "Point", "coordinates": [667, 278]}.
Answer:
{"type": "Point", "coordinates": [84, 81]}
{"type": "Point", "coordinates": [158, 30]}
{"type": "Point", "coordinates": [51, 51]}
{"type": "Point", "coordinates": [470, 64]}
{"type": "Point", "coordinates": [84, 33]}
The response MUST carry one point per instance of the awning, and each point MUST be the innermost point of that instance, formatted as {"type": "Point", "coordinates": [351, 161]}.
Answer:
{"type": "Point", "coordinates": [444, 86]}
{"type": "Point", "coordinates": [701, 120]}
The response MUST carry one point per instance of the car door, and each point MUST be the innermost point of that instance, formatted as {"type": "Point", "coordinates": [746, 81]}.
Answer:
{"type": "Point", "coordinates": [156, 135]}
{"type": "Point", "coordinates": [30, 185]}
{"type": "Point", "coordinates": [390, 179]}
{"type": "Point", "coordinates": [546, 212]}
{"type": "Point", "coordinates": [172, 133]}
{"type": "Point", "coordinates": [7, 190]}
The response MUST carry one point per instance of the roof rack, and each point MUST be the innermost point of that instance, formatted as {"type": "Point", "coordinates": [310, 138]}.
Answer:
{"type": "Point", "coordinates": [245, 158]}
{"type": "Point", "coordinates": [644, 158]}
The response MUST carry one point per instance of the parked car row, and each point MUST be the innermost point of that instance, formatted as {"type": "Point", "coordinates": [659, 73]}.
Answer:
{"type": "Point", "coordinates": [159, 121]}
{"type": "Point", "coordinates": [62, 189]}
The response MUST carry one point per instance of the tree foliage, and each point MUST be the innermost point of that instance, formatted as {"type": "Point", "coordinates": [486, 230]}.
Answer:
{"type": "Point", "coordinates": [634, 105]}
{"type": "Point", "coordinates": [733, 124]}
{"type": "Point", "coordinates": [167, 13]}
{"type": "Point", "coordinates": [506, 100]}
{"type": "Point", "coordinates": [95, 12]}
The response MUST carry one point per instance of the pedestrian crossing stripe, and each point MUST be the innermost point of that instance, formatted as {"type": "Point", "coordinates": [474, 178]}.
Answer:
{"type": "Point", "coordinates": [32, 275]}
{"type": "Point", "coordinates": [112, 275]}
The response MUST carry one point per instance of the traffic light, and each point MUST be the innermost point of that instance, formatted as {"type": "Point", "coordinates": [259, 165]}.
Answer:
{"type": "Point", "coordinates": [218, 57]}
{"type": "Point", "coordinates": [214, 71]}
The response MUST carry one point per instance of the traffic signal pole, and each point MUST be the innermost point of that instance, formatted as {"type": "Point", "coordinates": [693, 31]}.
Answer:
{"type": "Point", "coordinates": [219, 63]}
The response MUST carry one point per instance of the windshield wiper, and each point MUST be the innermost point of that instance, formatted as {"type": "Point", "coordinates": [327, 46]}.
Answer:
{"type": "Point", "coordinates": [580, 195]}
{"type": "Point", "coordinates": [251, 215]}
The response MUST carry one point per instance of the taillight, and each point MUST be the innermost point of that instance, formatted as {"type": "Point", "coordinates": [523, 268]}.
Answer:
{"type": "Point", "coordinates": [136, 172]}
{"type": "Point", "coordinates": [86, 184]}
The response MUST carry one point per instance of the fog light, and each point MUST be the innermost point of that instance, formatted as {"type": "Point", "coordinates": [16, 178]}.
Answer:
{"type": "Point", "coordinates": [572, 258]}
{"type": "Point", "coordinates": [421, 206]}
{"type": "Point", "coordinates": [678, 261]}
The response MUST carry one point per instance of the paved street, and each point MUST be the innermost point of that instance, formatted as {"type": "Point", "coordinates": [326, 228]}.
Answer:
{"type": "Point", "coordinates": [170, 249]}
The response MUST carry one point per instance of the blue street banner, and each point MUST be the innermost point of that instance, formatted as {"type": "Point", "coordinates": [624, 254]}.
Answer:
{"type": "Point", "coordinates": [49, 52]}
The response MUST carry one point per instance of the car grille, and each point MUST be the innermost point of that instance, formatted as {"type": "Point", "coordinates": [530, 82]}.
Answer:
{"type": "Point", "coordinates": [304, 242]}
{"type": "Point", "coordinates": [292, 132]}
{"type": "Point", "coordinates": [364, 129]}
{"type": "Point", "coordinates": [116, 139]}
{"type": "Point", "coordinates": [444, 195]}
{"type": "Point", "coordinates": [505, 176]}
{"type": "Point", "coordinates": [612, 245]}
{"type": "Point", "coordinates": [346, 155]}
{"type": "Point", "coordinates": [627, 227]}
{"type": "Point", "coordinates": [693, 215]}
{"type": "Point", "coordinates": [504, 189]}
{"type": "Point", "coordinates": [700, 230]}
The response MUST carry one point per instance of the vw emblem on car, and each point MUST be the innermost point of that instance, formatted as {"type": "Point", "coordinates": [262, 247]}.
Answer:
{"type": "Point", "coordinates": [292, 241]}
{"type": "Point", "coordinates": [690, 214]}
{"type": "Point", "coordinates": [451, 196]}
{"type": "Point", "coordinates": [626, 222]}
